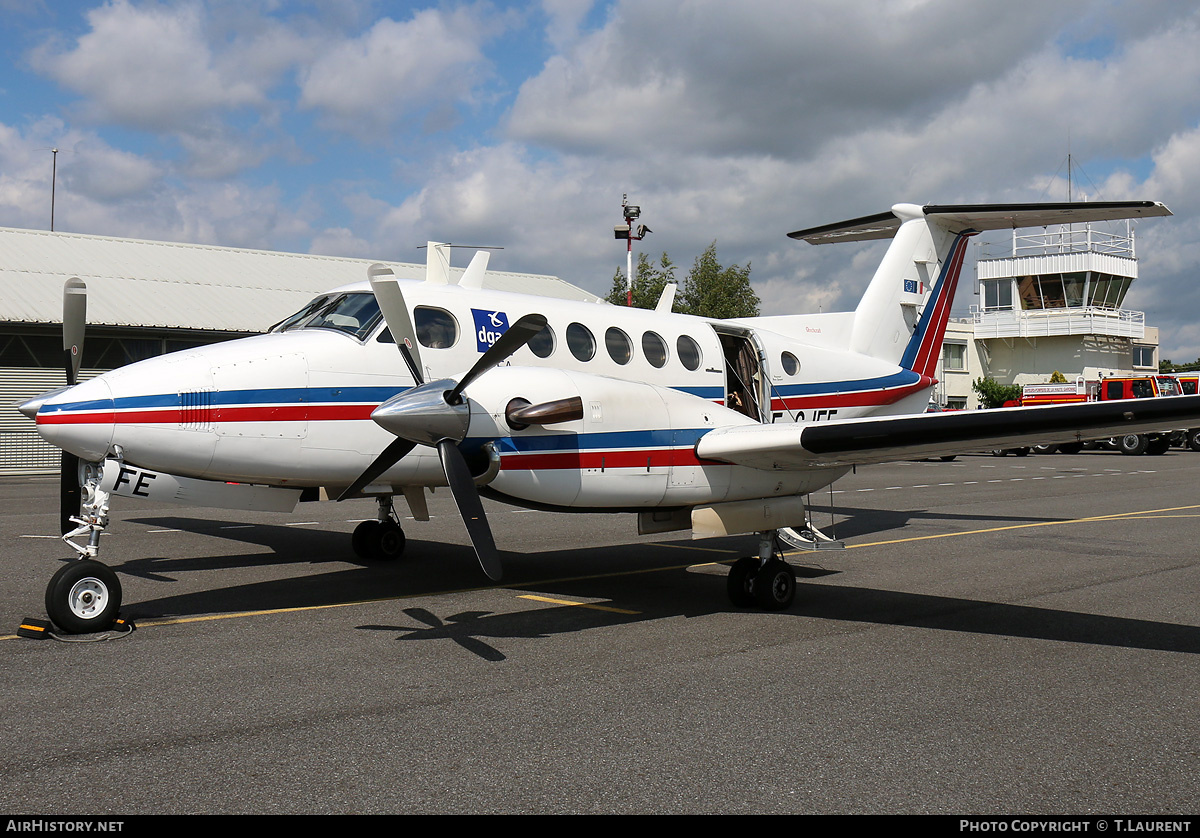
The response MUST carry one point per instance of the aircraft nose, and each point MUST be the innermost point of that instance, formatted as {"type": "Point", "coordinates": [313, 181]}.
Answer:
{"type": "Point", "coordinates": [77, 419]}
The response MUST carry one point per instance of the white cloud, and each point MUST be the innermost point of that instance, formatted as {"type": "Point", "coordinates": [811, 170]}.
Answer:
{"type": "Point", "coordinates": [340, 241]}
{"type": "Point", "coordinates": [768, 77]}
{"type": "Point", "coordinates": [564, 18]}
{"type": "Point", "coordinates": [99, 172]}
{"type": "Point", "coordinates": [148, 67]}
{"type": "Point", "coordinates": [366, 84]}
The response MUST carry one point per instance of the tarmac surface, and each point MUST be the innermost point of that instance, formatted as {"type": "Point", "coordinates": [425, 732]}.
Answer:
{"type": "Point", "coordinates": [1000, 636]}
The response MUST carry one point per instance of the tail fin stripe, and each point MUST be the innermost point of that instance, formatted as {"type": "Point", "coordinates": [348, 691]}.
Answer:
{"type": "Point", "coordinates": [920, 354]}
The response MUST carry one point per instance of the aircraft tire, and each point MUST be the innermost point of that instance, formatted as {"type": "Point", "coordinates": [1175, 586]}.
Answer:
{"type": "Point", "coordinates": [775, 585]}
{"type": "Point", "coordinates": [1070, 448]}
{"type": "Point", "coordinates": [362, 538]}
{"type": "Point", "coordinates": [388, 542]}
{"type": "Point", "coordinates": [83, 597]}
{"type": "Point", "coordinates": [740, 582]}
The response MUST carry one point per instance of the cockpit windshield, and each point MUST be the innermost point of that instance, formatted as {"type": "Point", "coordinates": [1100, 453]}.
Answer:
{"type": "Point", "coordinates": [355, 314]}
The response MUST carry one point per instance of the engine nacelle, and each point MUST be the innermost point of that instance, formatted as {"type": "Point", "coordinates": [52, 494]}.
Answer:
{"type": "Point", "coordinates": [633, 448]}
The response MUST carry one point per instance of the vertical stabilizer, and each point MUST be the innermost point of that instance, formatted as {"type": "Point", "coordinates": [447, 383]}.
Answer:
{"type": "Point", "coordinates": [903, 314]}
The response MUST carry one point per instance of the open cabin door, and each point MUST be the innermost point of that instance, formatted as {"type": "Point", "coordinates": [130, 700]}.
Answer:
{"type": "Point", "coordinates": [743, 373]}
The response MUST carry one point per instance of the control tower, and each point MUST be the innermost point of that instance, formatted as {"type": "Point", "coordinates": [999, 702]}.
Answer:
{"type": "Point", "coordinates": [1054, 302]}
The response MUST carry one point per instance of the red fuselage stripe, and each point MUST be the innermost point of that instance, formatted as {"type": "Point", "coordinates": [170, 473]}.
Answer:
{"type": "Point", "coordinates": [860, 399]}
{"type": "Point", "coordinates": [205, 416]}
{"type": "Point", "coordinates": [578, 460]}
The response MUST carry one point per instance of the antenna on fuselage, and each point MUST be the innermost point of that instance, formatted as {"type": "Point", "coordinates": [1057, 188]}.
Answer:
{"type": "Point", "coordinates": [437, 264]}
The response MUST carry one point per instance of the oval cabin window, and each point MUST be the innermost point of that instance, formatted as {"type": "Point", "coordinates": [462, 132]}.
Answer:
{"type": "Point", "coordinates": [580, 341]}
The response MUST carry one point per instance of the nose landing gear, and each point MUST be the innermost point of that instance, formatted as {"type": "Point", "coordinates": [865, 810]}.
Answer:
{"type": "Point", "coordinates": [84, 596]}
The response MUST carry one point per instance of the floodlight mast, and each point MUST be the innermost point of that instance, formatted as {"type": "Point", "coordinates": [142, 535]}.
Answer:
{"type": "Point", "coordinates": [625, 231]}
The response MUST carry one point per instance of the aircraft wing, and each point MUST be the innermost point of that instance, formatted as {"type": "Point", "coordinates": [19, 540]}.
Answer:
{"type": "Point", "coordinates": [980, 217]}
{"type": "Point", "coordinates": [788, 447]}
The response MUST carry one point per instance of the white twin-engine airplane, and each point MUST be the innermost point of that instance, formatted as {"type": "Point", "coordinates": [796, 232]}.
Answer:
{"type": "Point", "coordinates": [720, 426]}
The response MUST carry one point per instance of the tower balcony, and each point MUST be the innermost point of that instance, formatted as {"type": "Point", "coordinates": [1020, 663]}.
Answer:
{"type": "Point", "coordinates": [1076, 320]}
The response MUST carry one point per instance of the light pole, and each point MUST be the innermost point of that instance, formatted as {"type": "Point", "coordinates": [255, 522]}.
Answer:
{"type": "Point", "coordinates": [53, 184]}
{"type": "Point", "coordinates": [625, 231]}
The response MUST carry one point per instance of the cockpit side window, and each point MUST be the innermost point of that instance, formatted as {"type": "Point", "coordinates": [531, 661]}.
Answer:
{"type": "Point", "coordinates": [354, 314]}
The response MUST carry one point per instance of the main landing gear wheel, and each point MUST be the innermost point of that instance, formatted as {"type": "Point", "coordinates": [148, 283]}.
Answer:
{"type": "Point", "coordinates": [83, 597]}
{"type": "Point", "coordinates": [378, 540]}
{"type": "Point", "coordinates": [775, 585]}
{"type": "Point", "coordinates": [740, 582]}
{"type": "Point", "coordinates": [771, 586]}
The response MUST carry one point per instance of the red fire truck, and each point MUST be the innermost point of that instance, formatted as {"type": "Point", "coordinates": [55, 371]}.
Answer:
{"type": "Point", "coordinates": [1113, 389]}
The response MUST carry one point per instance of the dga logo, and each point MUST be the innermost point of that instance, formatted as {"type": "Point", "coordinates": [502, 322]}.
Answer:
{"type": "Point", "coordinates": [489, 326]}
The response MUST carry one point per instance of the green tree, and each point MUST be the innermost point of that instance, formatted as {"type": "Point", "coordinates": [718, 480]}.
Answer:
{"type": "Point", "coordinates": [711, 290]}
{"type": "Point", "coordinates": [992, 394]}
{"type": "Point", "coordinates": [1167, 365]}
{"type": "Point", "coordinates": [648, 282]}
{"type": "Point", "coordinates": [1058, 378]}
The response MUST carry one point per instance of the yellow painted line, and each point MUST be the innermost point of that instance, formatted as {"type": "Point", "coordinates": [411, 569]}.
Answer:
{"type": "Point", "coordinates": [1116, 516]}
{"type": "Point", "coordinates": [591, 605]}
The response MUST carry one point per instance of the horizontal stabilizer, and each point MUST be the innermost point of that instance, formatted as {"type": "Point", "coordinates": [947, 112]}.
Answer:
{"type": "Point", "coordinates": [979, 217]}
{"type": "Point", "coordinates": [879, 440]}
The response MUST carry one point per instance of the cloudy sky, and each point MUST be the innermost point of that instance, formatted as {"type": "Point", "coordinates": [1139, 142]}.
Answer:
{"type": "Point", "coordinates": [365, 128]}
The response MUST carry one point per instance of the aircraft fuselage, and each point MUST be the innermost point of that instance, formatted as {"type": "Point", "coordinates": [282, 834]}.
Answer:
{"type": "Point", "coordinates": [293, 408]}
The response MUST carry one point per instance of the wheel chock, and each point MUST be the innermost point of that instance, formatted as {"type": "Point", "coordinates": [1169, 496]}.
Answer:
{"type": "Point", "coordinates": [39, 629]}
{"type": "Point", "coordinates": [34, 629]}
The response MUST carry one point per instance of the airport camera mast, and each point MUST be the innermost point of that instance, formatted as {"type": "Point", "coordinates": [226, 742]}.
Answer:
{"type": "Point", "coordinates": [625, 231]}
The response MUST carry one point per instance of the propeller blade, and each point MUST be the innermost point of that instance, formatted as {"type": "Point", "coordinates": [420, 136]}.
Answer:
{"type": "Point", "coordinates": [547, 413]}
{"type": "Point", "coordinates": [74, 324]}
{"type": "Point", "coordinates": [518, 334]}
{"type": "Point", "coordinates": [69, 493]}
{"type": "Point", "coordinates": [471, 508]}
{"type": "Point", "coordinates": [74, 320]}
{"type": "Point", "coordinates": [388, 458]}
{"type": "Point", "coordinates": [395, 313]}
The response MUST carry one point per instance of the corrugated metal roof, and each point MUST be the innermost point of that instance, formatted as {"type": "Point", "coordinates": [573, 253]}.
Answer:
{"type": "Point", "coordinates": [190, 286]}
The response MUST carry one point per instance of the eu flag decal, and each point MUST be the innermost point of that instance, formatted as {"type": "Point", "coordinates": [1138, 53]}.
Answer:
{"type": "Point", "coordinates": [489, 326]}
{"type": "Point", "coordinates": [912, 286]}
